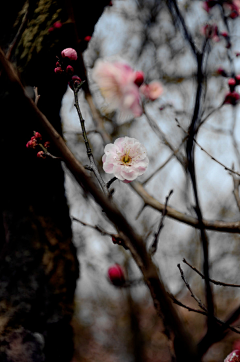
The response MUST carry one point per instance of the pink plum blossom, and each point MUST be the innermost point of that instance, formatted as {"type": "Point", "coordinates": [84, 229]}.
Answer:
{"type": "Point", "coordinates": [116, 83]}
{"type": "Point", "coordinates": [234, 356]}
{"type": "Point", "coordinates": [126, 159]}
{"type": "Point", "coordinates": [152, 90]}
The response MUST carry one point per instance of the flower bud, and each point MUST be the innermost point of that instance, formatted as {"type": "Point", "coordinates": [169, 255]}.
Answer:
{"type": "Point", "coordinates": [116, 275]}
{"type": "Point", "coordinates": [139, 78]}
{"type": "Point", "coordinates": [47, 144]}
{"type": "Point", "coordinates": [221, 71]}
{"type": "Point", "coordinates": [234, 356]}
{"type": "Point", "coordinates": [41, 154]}
{"type": "Point", "coordinates": [224, 34]}
{"type": "Point", "coordinates": [69, 53]}
{"type": "Point", "coordinates": [57, 25]}
{"type": "Point", "coordinates": [75, 80]}
{"type": "Point", "coordinates": [87, 38]}
{"type": "Point", "coordinates": [32, 143]}
{"type": "Point", "coordinates": [38, 136]}
{"type": "Point", "coordinates": [232, 98]}
{"type": "Point", "coordinates": [58, 65]}
{"type": "Point", "coordinates": [51, 29]}
{"type": "Point", "coordinates": [237, 79]}
{"type": "Point", "coordinates": [58, 70]}
{"type": "Point", "coordinates": [69, 70]}
{"type": "Point", "coordinates": [231, 83]}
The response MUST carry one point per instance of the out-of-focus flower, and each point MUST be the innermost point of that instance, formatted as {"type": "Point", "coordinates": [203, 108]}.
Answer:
{"type": "Point", "coordinates": [47, 144]}
{"type": "Point", "coordinates": [234, 356]}
{"type": "Point", "coordinates": [116, 275]}
{"type": "Point", "coordinates": [232, 98]}
{"type": "Point", "coordinates": [234, 6]}
{"type": "Point", "coordinates": [69, 53]}
{"type": "Point", "coordinates": [116, 83]}
{"type": "Point", "coordinates": [126, 159]}
{"type": "Point", "coordinates": [152, 90]}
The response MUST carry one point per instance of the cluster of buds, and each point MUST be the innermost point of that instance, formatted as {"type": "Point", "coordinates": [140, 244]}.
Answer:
{"type": "Point", "coordinates": [233, 97]}
{"type": "Point", "coordinates": [116, 275]}
{"type": "Point", "coordinates": [210, 31]}
{"type": "Point", "coordinates": [65, 65]}
{"type": "Point", "coordinates": [233, 6]}
{"type": "Point", "coordinates": [35, 141]}
{"type": "Point", "coordinates": [56, 25]}
{"type": "Point", "coordinates": [117, 240]}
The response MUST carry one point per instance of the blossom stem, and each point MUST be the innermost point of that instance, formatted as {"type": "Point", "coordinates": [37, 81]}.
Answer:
{"type": "Point", "coordinates": [88, 148]}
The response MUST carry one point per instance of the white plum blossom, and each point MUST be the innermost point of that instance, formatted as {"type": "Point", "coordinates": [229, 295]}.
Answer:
{"type": "Point", "coordinates": [126, 159]}
{"type": "Point", "coordinates": [116, 83]}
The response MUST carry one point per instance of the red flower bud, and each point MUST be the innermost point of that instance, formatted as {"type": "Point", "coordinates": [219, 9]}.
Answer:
{"type": "Point", "coordinates": [51, 29]}
{"type": "Point", "coordinates": [69, 70]}
{"type": "Point", "coordinates": [41, 154]}
{"type": "Point", "coordinates": [32, 143]}
{"type": "Point", "coordinates": [232, 98]}
{"type": "Point", "coordinates": [237, 54]}
{"type": "Point", "coordinates": [233, 15]}
{"type": "Point", "coordinates": [58, 65]}
{"type": "Point", "coordinates": [57, 25]}
{"type": "Point", "coordinates": [234, 356]}
{"type": "Point", "coordinates": [74, 81]}
{"type": "Point", "coordinates": [47, 144]}
{"type": "Point", "coordinates": [224, 34]}
{"type": "Point", "coordinates": [237, 79]}
{"type": "Point", "coordinates": [114, 240]}
{"type": "Point", "coordinates": [222, 72]}
{"type": "Point", "coordinates": [69, 53]}
{"type": "Point", "coordinates": [58, 70]}
{"type": "Point", "coordinates": [116, 275]}
{"type": "Point", "coordinates": [38, 135]}
{"type": "Point", "coordinates": [139, 78]}
{"type": "Point", "coordinates": [87, 38]}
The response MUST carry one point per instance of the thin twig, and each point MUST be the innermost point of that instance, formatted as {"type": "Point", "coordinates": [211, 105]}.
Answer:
{"type": "Point", "coordinates": [95, 227]}
{"type": "Point", "coordinates": [166, 162]}
{"type": "Point", "coordinates": [190, 309]}
{"type": "Point", "coordinates": [37, 96]}
{"type": "Point", "coordinates": [154, 245]}
{"type": "Point", "coordinates": [216, 282]}
{"type": "Point", "coordinates": [88, 148]}
{"type": "Point", "coordinates": [200, 304]}
{"type": "Point", "coordinates": [236, 183]}
{"type": "Point", "coordinates": [207, 153]}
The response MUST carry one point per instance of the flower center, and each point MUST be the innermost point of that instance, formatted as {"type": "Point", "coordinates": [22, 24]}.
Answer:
{"type": "Point", "coordinates": [126, 158]}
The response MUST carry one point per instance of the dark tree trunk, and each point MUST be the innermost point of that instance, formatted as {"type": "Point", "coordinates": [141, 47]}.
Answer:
{"type": "Point", "coordinates": [38, 262]}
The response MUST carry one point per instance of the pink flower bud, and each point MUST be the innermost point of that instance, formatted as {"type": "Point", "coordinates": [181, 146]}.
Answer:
{"type": "Point", "coordinates": [58, 70]}
{"type": "Point", "coordinates": [38, 136]}
{"type": "Point", "coordinates": [114, 240]}
{"type": "Point", "coordinates": [47, 144]}
{"type": "Point", "coordinates": [116, 275]}
{"type": "Point", "coordinates": [234, 356]}
{"type": "Point", "coordinates": [87, 38]}
{"type": "Point", "coordinates": [57, 25]}
{"type": "Point", "coordinates": [69, 70]}
{"type": "Point", "coordinates": [139, 78]}
{"type": "Point", "coordinates": [41, 154]}
{"type": "Point", "coordinates": [231, 83]}
{"type": "Point", "coordinates": [51, 29]}
{"type": "Point", "coordinates": [237, 54]}
{"type": "Point", "coordinates": [74, 81]}
{"type": "Point", "coordinates": [232, 98]}
{"type": "Point", "coordinates": [58, 65]}
{"type": "Point", "coordinates": [152, 91]}
{"type": "Point", "coordinates": [69, 53]}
